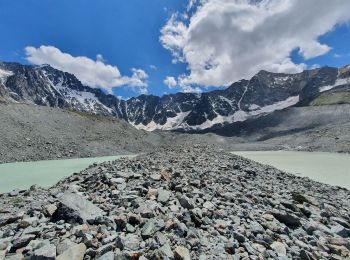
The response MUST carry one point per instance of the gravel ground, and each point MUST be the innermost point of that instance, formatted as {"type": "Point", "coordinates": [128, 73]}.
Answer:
{"type": "Point", "coordinates": [178, 203]}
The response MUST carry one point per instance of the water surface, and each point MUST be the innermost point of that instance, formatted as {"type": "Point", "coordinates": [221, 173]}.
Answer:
{"type": "Point", "coordinates": [22, 175]}
{"type": "Point", "coordinates": [330, 168]}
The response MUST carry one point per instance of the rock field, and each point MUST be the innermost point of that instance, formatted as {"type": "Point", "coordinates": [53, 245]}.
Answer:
{"type": "Point", "coordinates": [177, 203]}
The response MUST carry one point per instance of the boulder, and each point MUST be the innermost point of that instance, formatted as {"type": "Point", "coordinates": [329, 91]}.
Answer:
{"type": "Point", "coordinates": [182, 253]}
{"type": "Point", "coordinates": [74, 252]}
{"type": "Point", "coordinates": [163, 196]}
{"type": "Point", "coordinates": [279, 248]}
{"type": "Point", "coordinates": [47, 252]}
{"type": "Point", "coordinates": [73, 208]}
{"type": "Point", "coordinates": [22, 241]}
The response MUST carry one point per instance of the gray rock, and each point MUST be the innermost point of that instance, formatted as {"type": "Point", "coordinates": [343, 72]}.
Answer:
{"type": "Point", "coordinates": [256, 228]}
{"type": "Point", "coordinates": [75, 209]}
{"type": "Point", "coordinates": [288, 219]}
{"type": "Point", "coordinates": [240, 238]}
{"type": "Point", "coordinates": [50, 210]}
{"type": "Point", "coordinates": [104, 249]}
{"type": "Point", "coordinates": [186, 202]}
{"type": "Point", "coordinates": [4, 243]}
{"type": "Point", "coordinates": [13, 257]}
{"type": "Point", "coordinates": [74, 252]}
{"type": "Point", "coordinates": [151, 227]}
{"type": "Point", "coordinates": [279, 248]}
{"type": "Point", "coordinates": [107, 256]}
{"type": "Point", "coordinates": [182, 253]}
{"type": "Point", "coordinates": [64, 245]}
{"type": "Point", "coordinates": [163, 196]}
{"type": "Point", "coordinates": [341, 231]}
{"type": "Point", "coordinates": [47, 252]}
{"type": "Point", "coordinates": [156, 177]}
{"type": "Point", "coordinates": [14, 193]}
{"type": "Point", "coordinates": [208, 205]}
{"type": "Point", "coordinates": [22, 241]}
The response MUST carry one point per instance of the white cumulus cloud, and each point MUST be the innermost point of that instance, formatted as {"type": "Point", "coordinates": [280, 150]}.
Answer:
{"type": "Point", "coordinates": [94, 73]}
{"type": "Point", "coordinates": [223, 41]}
{"type": "Point", "coordinates": [170, 82]}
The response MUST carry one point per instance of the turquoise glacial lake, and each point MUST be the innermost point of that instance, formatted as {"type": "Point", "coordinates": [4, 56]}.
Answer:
{"type": "Point", "coordinates": [21, 175]}
{"type": "Point", "coordinates": [329, 168]}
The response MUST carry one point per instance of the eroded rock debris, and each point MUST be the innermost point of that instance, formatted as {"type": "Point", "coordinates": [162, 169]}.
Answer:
{"type": "Point", "coordinates": [177, 203]}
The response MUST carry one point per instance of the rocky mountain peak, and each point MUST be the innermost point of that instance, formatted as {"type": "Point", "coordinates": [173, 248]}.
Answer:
{"type": "Point", "coordinates": [262, 94]}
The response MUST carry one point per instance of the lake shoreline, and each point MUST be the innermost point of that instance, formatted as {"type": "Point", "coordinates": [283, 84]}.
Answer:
{"type": "Point", "coordinates": [325, 167]}
{"type": "Point", "coordinates": [21, 175]}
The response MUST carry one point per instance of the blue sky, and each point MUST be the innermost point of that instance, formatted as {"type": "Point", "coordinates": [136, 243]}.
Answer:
{"type": "Point", "coordinates": [127, 35]}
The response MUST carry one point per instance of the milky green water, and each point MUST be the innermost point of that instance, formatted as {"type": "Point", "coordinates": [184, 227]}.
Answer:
{"type": "Point", "coordinates": [330, 168]}
{"type": "Point", "coordinates": [44, 173]}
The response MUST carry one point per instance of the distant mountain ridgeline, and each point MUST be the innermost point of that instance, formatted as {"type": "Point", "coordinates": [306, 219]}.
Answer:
{"type": "Point", "coordinates": [262, 94]}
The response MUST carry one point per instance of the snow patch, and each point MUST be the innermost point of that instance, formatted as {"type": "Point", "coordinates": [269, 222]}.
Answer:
{"type": "Point", "coordinates": [4, 74]}
{"type": "Point", "coordinates": [254, 107]}
{"type": "Point", "coordinates": [171, 123]}
{"type": "Point", "coordinates": [338, 82]}
{"type": "Point", "coordinates": [241, 115]}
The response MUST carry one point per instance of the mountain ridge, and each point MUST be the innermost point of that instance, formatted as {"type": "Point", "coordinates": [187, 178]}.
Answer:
{"type": "Point", "coordinates": [264, 93]}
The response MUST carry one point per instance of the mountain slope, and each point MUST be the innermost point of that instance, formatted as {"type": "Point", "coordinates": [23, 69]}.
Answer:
{"type": "Point", "coordinates": [262, 94]}
{"type": "Point", "coordinates": [29, 132]}
{"type": "Point", "coordinates": [315, 128]}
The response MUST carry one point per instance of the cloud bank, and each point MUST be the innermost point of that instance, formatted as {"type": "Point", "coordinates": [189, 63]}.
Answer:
{"type": "Point", "coordinates": [223, 41]}
{"type": "Point", "coordinates": [94, 73]}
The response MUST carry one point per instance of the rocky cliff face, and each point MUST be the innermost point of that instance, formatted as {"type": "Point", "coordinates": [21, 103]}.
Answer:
{"type": "Point", "coordinates": [262, 94]}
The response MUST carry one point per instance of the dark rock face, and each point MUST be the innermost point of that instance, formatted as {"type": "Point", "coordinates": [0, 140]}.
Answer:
{"type": "Point", "coordinates": [263, 93]}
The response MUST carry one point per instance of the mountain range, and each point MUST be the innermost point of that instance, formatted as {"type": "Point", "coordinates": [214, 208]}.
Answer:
{"type": "Point", "coordinates": [264, 93]}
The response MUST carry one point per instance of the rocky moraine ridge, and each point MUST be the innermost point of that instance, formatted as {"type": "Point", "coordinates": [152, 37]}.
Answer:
{"type": "Point", "coordinates": [177, 203]}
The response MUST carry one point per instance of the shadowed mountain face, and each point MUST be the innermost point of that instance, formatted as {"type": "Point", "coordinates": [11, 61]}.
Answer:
{"type": "Point", "coordinates": [246, 99]}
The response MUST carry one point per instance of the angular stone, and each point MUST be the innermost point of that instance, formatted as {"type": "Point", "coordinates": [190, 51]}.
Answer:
{"type": "Point", "coordinates": [4, 242]}
{"type": "Point", "coordinates": [239, 237]}
{"type": "Point", "coordinates": [208, 205]}
{"type": "Point", "coordinates": [304, 198]}
{"type": "Point", "coordinates": [22, 241]}
{"type": "Point", "coordinates": [50, 209]}
{"type": "Point", "coordinates": [279, 248]}
{"type": "Point", "coordinates": [163, 196]}
{"type": "Point", "coordinates": [288, 219]}
{"type": "Point", "coordinates": [13, 257]}
{"type": "Point", "coordinates": [256, 228]}
{"type": "Point", "coordinates": [156, 177]}
{"type": "Point", "coordinates": [340, 231]}
{"type": "Point", "coordinates": [186, 202]}
{"type": "Point", "coordinates": [47, 252]}
{"type": "Point", "coordinates": [104, 249]}
{"type": "Point", "coordinates": [75, 209]}
{"type": "Point", "coordinates": [26, 222]}
{"type": "Point", "coordinates": [74, 252]}
{"type": "Point", "coordinates": [64, 245]}
{"type": "Point", "coordinates": [165, 175]}
{"type": "Point", "coordinates": [151, 227]}
{"type": "Point", "coordinates": [134, 219]}
{"type": "Point", "coordinates": [182, 253]}
{"type": "Point", "coordinates": [107, 256]}
{"type": "Point", "coordinates": [5, 220]}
